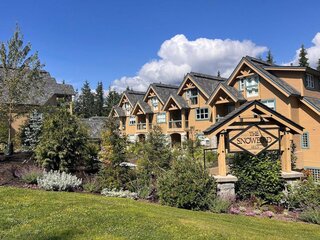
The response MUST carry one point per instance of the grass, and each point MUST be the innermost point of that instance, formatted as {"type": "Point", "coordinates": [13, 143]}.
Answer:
{"type": "Point", "coordinates": [34, 214]}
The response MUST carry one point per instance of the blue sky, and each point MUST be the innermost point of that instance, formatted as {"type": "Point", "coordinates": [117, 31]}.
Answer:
{"type": "Point", "coordinates": [108, 40]}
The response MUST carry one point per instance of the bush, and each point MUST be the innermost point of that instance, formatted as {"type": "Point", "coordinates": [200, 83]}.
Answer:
{"type": "Point", "coordinates": [187, 185]}
{"type": "Point", "coordinates": [92, 185]}
{"type": "Point", "coordinates": [30, 175]}
{"type": "Point", "coordinates": [304, 195]}
{"type": "Point", "coordinates": [258, 176]}
{"type": "Point", "coordinates": [119, 193]}
{"type": "Point", "coordinates": [220, 205]}
{"type": "Point", "coordinates": [63, 143]}
{"type": "Point", "coordinates": [58, 181]}
{"type": "Point", "coordinates": [31, 130]}
{"type": "Point", "coordinates": [311, 215]}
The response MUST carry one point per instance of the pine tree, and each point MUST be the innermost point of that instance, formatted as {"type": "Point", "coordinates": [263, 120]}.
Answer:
{"type": "Point", "coordinates": [99, 100]}
{"type": "Point", "coordinates": [111, 100]}
{"type": "Point", "coordinates": [86, 101]}
{"type": "Point", "coordinates": [303, 60]}
{"type": "Point", "coordinates": [31, 131]}
{"type": "Point", "coordinates": [269, 58]}
{"type": "Point", "coordinates": [318, 67]}
{"type": "Point", "coordinates": [219, 74]}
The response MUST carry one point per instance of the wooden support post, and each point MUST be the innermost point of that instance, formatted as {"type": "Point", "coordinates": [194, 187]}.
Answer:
{"type": "Point", "coordinates": [147, 122]}
{"type": "Point", "coordinates": [214, 113]}
{"type": "Point", "coordinates": [183, 119]}
{"type": "Point", "coordinates": [222, 166]}
{"type": "Point", "coordinates": [286, 152]}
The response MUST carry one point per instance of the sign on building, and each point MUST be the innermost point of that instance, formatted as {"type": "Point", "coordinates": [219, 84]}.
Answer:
{"type": "Point", "coordinates": [254, 139]}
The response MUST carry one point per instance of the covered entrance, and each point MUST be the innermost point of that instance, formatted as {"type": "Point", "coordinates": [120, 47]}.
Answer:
{"type": "Point", "coordinates": [175, 139]}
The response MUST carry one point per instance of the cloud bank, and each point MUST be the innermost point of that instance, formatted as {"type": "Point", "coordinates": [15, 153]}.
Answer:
{"type": "Point", "coordinates": [178, 56]}
{"type": "Point", "coordinates": [313, 53]}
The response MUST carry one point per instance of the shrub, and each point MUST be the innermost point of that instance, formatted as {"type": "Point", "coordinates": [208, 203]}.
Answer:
{"type": "Point", "coordinates": [305, 195]}
{"type": "Point", "coordinates": [63, 143]}
{"type": "Point", "coordinates": [30, 175]}
{"type": "Point", "coordinates": [311, 215]}
{"type": "Point", "coordinates": [220, 205]}
{"type": "Point", "coordinates": [258, 176]}
{"type": "Point", "coordinates": [187, 185]}
{"type": "Point", "coordinates": [58, 181]}
{"type": "Point", "coordinates": [119, 193]}
{"type": "Point", "coordinates": [92, 185]}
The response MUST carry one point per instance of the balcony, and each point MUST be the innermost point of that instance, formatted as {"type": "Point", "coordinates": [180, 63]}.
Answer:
{"type": "Point", "coordinates": [141, 126]}
{"type": "Point", "coordinates": [178, 124]}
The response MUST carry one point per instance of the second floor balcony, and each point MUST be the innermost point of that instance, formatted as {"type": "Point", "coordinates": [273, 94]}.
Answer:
{"type": "Point", "coordinates": [178, 124]}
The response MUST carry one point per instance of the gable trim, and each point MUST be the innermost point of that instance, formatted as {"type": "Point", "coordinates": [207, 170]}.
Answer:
{"type": "Point", "coordinates": [194, 82]}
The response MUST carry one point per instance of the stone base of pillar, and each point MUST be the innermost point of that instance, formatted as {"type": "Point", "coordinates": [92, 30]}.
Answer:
{"type": "Point", "coordinates": [226, 186]}
{"type": "Point", "coordinates": [291, 177]}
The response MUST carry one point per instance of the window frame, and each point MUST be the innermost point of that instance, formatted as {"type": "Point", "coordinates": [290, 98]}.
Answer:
{"type": "Point", "coordinates": [130, 122]}
{"type": "Point", "coordinates": [200, 113]}
{"type": "Point", "coordinates": [249, 88]}
{"type": "Point", "coordinates": [154, 102]}
{"type": "Point", "coordinates": [267, 100]}
{"type": "Point", "coordinates": [305, 143]}
{"type": "Point", "coordinates": [310, 83]}
{"type": "Point", "coordinates": [192, 98]}
{"type": "Point", "coordinates": [165, 117]}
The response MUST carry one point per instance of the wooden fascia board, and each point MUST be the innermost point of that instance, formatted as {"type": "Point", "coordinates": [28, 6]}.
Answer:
{"type": "Point", "coordinates": [216, 91]}
{"type": "Point", "coordinates": [166, 105]}
{"type": "Point", "coordinates": [146, 95]}
{"type": "Point", "coordinates": [124, 95]}
{"type": "Point", "coordinates": [194, 82]}
{"type": "Point", "coordinates": [135, 107]}
{"type": "Point", "coordinates": [310, 106]}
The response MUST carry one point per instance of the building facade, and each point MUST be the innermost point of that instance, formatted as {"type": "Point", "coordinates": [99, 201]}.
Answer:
{"type": "Point", "coordinates": [192, 109]}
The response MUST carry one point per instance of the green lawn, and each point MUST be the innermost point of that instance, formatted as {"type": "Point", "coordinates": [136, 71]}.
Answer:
{"type": "Point", "coordinates": [34, 214]}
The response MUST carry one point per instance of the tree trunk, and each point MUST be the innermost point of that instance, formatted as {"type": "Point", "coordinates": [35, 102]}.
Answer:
{"type": "Point", "coordinates": [10, 143]}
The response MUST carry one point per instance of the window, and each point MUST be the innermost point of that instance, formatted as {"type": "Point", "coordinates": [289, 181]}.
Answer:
{"type": "Point", "coordinates": [252, 86]}
{"type": "Point", "coordinates": [154, 103]}
{"type": "Point", "coordinates": [192, 95]}
{"type": "Point", "coordinates": [202, 113]}
{"type": "Point", "coordinates": [309, 81]}
{"type": "Point", "coordinates": [305, 142]}
{"type": "Point", "coordinates": [126, 107]}
{"type": "Point", "coordinates": [161, 117]}
{"type": "Point", "coordinates": [132, 120]}
{"type": "Point", "coordinates": [241, 84]}
{"type": "Point", "coordinates": [270, 103]}
{"type": "Point", "coordinates": [315, 173]}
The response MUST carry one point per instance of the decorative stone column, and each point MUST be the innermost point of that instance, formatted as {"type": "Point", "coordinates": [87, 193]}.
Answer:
{"type": "Point", "coordinates": [226, 186]}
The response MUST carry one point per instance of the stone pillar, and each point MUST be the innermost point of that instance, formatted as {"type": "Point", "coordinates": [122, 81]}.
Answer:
{"type": "Point", "coordinates": [183, 137]}
{"type": "Point", "coordinates": [222, 165]}
{"type": "Point", "coordinates": [226, 187]}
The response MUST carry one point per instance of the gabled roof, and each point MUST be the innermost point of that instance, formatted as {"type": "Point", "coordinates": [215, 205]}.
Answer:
{"type": "Point", "coordinates": [257, 107]}
{"type": "Point", "coordinates": [163, 91]}
{"type": "Point", "coordinates": [44, 91]}
{"type": "Point", "coordinates": [143, 106]}
{"type": "Point", "coordinates": [181, 103]}
{"type": "Point", "coordinates": [118, 110]}
{"type": "Point", "coordinates": [314, 102]}
{"type": "Point", "coordinates": [205, 83]}
{"type": "Point", "coordinates": [292, 68]}
{"type": "Point", "coordinates": [230, 91]}
{"type": "Point", "coordinates": [258, 66]}
{"type": "Point", "coordinates": [94, 125]}
{"type": "Point", "coordinates": [132, 96]}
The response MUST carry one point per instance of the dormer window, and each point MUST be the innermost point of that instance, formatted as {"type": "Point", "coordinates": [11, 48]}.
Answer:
{"type": "Point", "coordinates": [309, 81]}
{"type": "Point", "coordinates": [192, 96]}
{"type": "Point", "coordinates": [252, 86]}
{"type": "Point", "coordinates": [154, 103]}
{"type": "Point", "coordinates": [126, 107]}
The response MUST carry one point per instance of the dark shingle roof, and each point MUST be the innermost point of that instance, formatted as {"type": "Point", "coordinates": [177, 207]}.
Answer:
{"type": "Point", "coordinates": [236, 94]}
{"type": "Point", "coordinates": [180, 100]}
{"type": "Point", "coordinates": [94, 125]}
{"type": "Point", "coordinates": [134, 96]}
{"type": "Point", "coordinates": [45, 90]}
{"type": "Point", "coordinates": [119, 111]}
{"type": "Point", "coordinates": [145, 106]}
{"type": "Point", "coordinates": [279, 82]}
{"type": "Point", "coordinates": [207, 83]}
{"type": "Point", "coordinates": [315, 102]}
{"type": "Point", "coordinates": [164, 91]}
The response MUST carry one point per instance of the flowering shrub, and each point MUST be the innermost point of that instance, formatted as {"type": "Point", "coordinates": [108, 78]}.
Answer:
{"type": "Point", "coordinates": [58, 181]}
{"type": "Point", "coordinates": [119, 193]}
{"type": "Point", "coordinates": [234, 210]}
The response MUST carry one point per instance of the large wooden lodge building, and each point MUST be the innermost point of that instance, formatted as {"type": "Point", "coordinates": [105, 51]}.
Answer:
{"type": "Point", "coordinates": [202, 103]}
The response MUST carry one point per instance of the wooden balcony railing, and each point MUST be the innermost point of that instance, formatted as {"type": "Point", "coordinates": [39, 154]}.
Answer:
{"type": "Point", "coordinates": [141, 126]}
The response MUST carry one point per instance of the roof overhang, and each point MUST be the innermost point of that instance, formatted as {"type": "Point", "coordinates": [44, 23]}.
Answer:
{"type": "Point", "coordinates": [189, 77]}
{"type": "Point", "coordinates": [254, 110]}
{"type": "Point", "coordinates": [122, 98]}
{"type": "Point", "coordinates": [310, 105]}
{"type": "Point", "coordinates": [145, 98]}
{"type": "Point", "coordinates": [138, 109]}
{"type": "Point", "coordinates": [217, 90]}
{"type": "Point", "coordinates": [167, 104]}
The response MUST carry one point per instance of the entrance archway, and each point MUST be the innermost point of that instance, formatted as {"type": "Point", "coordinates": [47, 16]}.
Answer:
{"type": "Point", "coordinates": [176, 139]}
{"type": "Point", "coordinates": [141, 137]}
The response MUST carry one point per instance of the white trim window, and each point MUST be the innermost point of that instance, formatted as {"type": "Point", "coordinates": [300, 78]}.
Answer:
{"type": "Point", "coordinates": [270, 103]}
{"type": "Point", "coordinates": [132, 120]}
{"type": "Point", "coordinates": [252, 86]}
{"type": "Point", "coordinates": [154, 103]}
{"type": "Point", "coordinates": [309, 81]}
{"type": "Point", "coordinates": [202, 114]}
{"type": "Point", "coordinates": [241, 84]}
{"type": "Point", "coordinates": [127, 108]}
{"type": "Point", "coordinates": [161, 117]}
{"type": "Point", "coordinates": [305, 140]}
{"type": "Point", "coordinates": [315, 172]}
{"type": "Point", "coordinates": [192, 95]}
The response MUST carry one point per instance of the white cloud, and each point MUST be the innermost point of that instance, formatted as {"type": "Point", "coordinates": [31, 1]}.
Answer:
{"type": "Point", "coordinates": [313, 53]}
{"type": "Point", "coordinates": [178, 56]}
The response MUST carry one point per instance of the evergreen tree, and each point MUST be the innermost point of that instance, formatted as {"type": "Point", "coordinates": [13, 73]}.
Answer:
{"type": "Point", "coordinates": [86, 101]}
{"type": "Point", "coordinates": [303, 60]}
{"type": "Point", "coordinates": [31, 131]}
{"type": "Point", "coordinates": [318, 66]}
{"type": "Point", "coordinates": [269, 58]}
{"type": "Point", "coordinates": [218, 74]}
{"type": "Point", "coordinates": [111, 100]}
{"type": "Point", "coordinates": [99, 100]}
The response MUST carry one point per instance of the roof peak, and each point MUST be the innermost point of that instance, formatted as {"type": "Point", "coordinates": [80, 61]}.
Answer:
{"type": "Point", "coordinates": [134, 92]}
{"type": "Point", "coordinates": [164, 85]}
{"type": "Point", "coordinates": [207, 76]}
{"type": "Point", "coordinates": [260, 61]}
